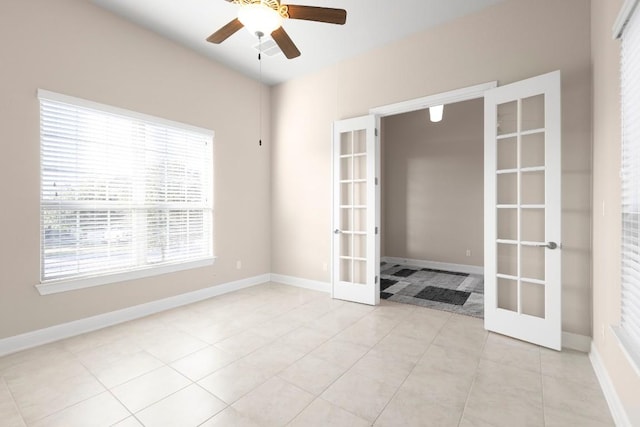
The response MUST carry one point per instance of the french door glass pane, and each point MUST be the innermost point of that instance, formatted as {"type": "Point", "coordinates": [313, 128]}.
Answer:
{"type": "Point", "coordinates": [507, 224]}
{"type": "Point", "coordinates": [507, 189]}
{"type": "Point", "coordinates": [507, 259]}
{"type": "Point", "coordinates": [532, 299]}
{"type": "Point", "coordinates": [532, 150]}
{"type": "Point", "coordinates": [532, 113]}
{"type": "Point", "coordinates": [507, 118]}
{"type": "Point", "coordinates": [507, 153]}
{"type": "Point", "coordinates": [508, 294]}
{"type": "Point", "coordinates": [532, 229]}
{"type": "Point", "coordinates": [532, 188]}
{"type": "Point", "coordinates": [353, 213]}
{"type": "Point", "coordinates": [532, 262]}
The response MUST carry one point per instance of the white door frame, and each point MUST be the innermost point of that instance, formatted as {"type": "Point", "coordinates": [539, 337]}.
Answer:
{"type": "Point", "coordinates": [457, 95]}
{"type": "Point", "coordinates": [450, 97]}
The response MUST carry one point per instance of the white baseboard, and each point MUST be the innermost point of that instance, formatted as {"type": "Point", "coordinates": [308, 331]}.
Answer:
{"type": "Point", "coordinates": [81, 326]}
{"type": "Point", "coordinates": [93, 323]}
{"type": "Point", "coordinates": [314, 285]}
{"type": "Point", "coordinates": [460, 268]}
{"type": "Point", "coordinates": [576, 342]}
{"type": "Point", "coordinates": [616, 407]}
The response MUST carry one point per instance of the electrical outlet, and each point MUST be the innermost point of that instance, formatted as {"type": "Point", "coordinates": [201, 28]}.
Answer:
{"type": "Point", "coordinates": [238, 265]}
{"type": "Point", "coordinates": [468, 252]}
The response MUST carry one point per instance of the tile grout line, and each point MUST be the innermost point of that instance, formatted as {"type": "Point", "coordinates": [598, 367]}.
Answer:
{"type": "Point", "coordinates": [164, 397]}
{"type": "Point", "coordinates": [106, 389]}
{"type": "Point", "coordinates": [273, 340]}
{"type": "Point", "coordinates": [473, 381]}
{"type": "Point", "coordinates": [544, 412]}
{"type": "Point", "coordinates": [196, 383]}
{"type": "Point", "coordinates": [142, 350]}
{"type": "Point", "coordinates": [109, 389]}
{"type": "Point", "coordinates": [414, 365]}
{"type": "Point", "coordinates": [245, 329]}
{"type": "Point", "coordinates": [13, 399]}
{"type": "Point", "coordinates": [242, 329]}
{"type": "Point", "coordinates": [319, 396]}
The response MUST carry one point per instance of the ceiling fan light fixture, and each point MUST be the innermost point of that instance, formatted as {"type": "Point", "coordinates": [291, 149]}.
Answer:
{"type": "Point", "coordinates": [264, 17]}
{"type": "Point", "coordinates": [259, 18]}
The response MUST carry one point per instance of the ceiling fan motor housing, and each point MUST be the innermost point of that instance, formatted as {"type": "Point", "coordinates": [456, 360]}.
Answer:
{"type": "Point", "coordinates": [283, 10]}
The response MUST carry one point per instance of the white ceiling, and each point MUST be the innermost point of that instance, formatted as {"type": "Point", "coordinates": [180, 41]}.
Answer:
{"type": "Point", "coordinates": [370, 23]}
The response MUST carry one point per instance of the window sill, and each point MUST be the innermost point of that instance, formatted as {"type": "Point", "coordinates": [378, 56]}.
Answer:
{"type": "Point", "coordinates": [88, 282]}
{"type": "Point", "coordinates": [629, 348]}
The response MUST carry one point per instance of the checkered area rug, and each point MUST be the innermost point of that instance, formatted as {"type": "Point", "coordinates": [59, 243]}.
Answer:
{"type": "Point", "coordinates": [460, 293]}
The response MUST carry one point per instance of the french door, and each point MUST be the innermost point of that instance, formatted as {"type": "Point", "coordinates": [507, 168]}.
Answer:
{"type": "Point", "coordinates": [523, 210]}
{"type": "Point", "coordinates": [355, 246]}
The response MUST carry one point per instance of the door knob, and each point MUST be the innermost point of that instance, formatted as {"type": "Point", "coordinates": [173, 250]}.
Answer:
{"type": "Point", "coordinates": [336, 231]}
{"type": "Point", "coordinates": [550, 245]}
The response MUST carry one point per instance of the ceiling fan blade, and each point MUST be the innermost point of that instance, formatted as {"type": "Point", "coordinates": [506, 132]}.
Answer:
{"type": "Point", "coordinates": [285, 43]}
{"type": "Point", "coordinates": [318, 14]}
{"type": "Point", "coordinates": [225, 32]}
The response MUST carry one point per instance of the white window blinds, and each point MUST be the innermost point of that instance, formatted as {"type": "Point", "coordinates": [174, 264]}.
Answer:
{"type": "Point", "coordinates": [630, 83]}
{"type": "Point", "coordinates": [120, 191]}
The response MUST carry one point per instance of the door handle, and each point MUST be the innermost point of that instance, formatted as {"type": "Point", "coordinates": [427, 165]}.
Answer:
{"type": "Point", "coordinates": [550, 245]}
{"type": "Point", "coordinates": [336, 231]}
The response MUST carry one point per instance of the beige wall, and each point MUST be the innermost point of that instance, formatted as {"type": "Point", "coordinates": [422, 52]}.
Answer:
{"type": "Point", "coordinates": [606, 204]}
{"type": "Point", "coordinates": [508, 42]}
{"type": "Point", "coordinates": [75, 48]}
{"type": "Point", "coordinates": [432, 179]}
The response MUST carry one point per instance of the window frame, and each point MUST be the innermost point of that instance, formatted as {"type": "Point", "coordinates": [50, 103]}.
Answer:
{"type": "Point", "coordinates": [138, 271]}
{"type": "Point", "coordinates": [628, 339]}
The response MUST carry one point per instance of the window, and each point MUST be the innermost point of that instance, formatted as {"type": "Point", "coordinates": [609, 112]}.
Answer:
{"type": "Point", "coordinates": [123, 195]}
{"type": "Point", "coordinates": [629, 331]}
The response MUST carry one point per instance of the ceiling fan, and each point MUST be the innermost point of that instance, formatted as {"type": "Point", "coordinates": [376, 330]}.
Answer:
{"type": "Point", "coordinates": [262, 17]}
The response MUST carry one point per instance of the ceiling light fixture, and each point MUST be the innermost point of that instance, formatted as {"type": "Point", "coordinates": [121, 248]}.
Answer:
{"type": "Point", "coordinates": [436, 112]}
{"type": "Point", "coordinates": [264, 18]}
{"type": "Point", "coordinates": [260, 18]}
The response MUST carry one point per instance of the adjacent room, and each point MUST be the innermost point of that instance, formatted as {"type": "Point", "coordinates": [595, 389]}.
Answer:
{"type": "Point", "coordinates": [432, 197]}
{"type": "Point", "coordinates": [203, 214]}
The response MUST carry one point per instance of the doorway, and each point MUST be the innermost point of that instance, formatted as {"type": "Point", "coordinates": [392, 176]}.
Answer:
{"type": "Point", "coordinates": [432, 193]}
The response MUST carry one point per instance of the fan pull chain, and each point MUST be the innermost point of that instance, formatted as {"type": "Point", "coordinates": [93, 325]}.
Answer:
{"type": "Point", "coordinates": [260, 88]}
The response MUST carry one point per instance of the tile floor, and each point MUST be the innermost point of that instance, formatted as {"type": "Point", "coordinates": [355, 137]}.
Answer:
{"type": "Point", "coordinates": [275, 355]}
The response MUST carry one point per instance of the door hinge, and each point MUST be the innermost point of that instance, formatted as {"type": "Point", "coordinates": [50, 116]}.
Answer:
{"type": "Point", "coordinates": [376, 279]}
{"type": "Point", "coordinates": [376, 230]}
{"type": "Point", "coordinates": [376, 180]}
{"type": "Point", "coordinates": [376, 129]}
